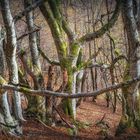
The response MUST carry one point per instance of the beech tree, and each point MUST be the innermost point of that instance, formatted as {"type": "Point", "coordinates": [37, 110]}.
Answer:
{"type": "Point", "coordinates": [36, 104]}
{"type": "Point", "coordinates": [69, 52]}
{"type": "Point", "coordinates": [131, 103]}
{"type": "Point", "coordinates": [69, 49]}
{"type": "Point", "coordinates": [10, 54]}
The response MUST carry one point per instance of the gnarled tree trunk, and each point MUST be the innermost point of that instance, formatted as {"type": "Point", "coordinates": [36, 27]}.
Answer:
{"type": "Point", "coordinates": [68, 49]}
{"type": "Point", "coordinates": [6, 118]}
{"type": "Point", "coordinates": [131, 100]}
{"type": "Point", "coordinates": [37, 104]}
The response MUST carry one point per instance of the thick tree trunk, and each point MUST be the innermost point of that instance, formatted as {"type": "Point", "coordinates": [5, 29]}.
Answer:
{"type": "Point", "coordinates": [50, 101]}
{"type": "Point", "coordinates": [5, 114]}
{"type": "Point", "coordinates": [69, 105]}
{"type": "Point", "coordinates": [131, 100]}
{"type": "Point", "coordinates": [67, 62]}
{"type": "Point", "coordinates": [10, 51]}
{"type": "Point", "coordinates": [5, 105]}
{"type": "Point", "coordinates": [68, 52]}
{"type": "Point", "coordinates": [37, 103]}
{"type": "Point", "coordinates": [79, 84]}
{"type": "Point", "coordinates": [72, 77]}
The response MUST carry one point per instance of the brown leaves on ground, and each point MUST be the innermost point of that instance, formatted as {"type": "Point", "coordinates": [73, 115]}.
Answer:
{"type": "Point", "coordinates": [96, 122]}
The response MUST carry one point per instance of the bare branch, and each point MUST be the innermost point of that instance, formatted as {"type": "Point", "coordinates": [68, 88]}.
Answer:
{"type": "Point", "coordinates": [24, 35]}
{"type": "Point", "coordinates": [90, 63]}
{"type": "Point", "coordinates": [48, 59]}
{"type": "Point", "coordinates": [27, 68]}
{"type": "Point", "coordinates": [28, 9]}
{"type": "Point", "coordinates": [103, 29]}
{"type": "Point", "coordinates": [67, 95]}
{"type": "Point", "coordinates": [61, 20]}
{"type": "Point", "coordinates": [121, 57]}
{"type": "Point", "coordinates": [100, 65]}
{"type": "Point", "coordinates": [63, 119]}
{"type": "Point", "coordinates": [68, 31]}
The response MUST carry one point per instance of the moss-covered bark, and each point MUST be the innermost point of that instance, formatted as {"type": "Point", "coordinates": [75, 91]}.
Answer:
{"type": "Point", "coordinates": [131, 96]}
{"type": "Point", "coordinates": [131, 110]}
{"type": "Point", "coordinates": [36, 104]}
{"type": "Point", "coordinates": [69, 52]}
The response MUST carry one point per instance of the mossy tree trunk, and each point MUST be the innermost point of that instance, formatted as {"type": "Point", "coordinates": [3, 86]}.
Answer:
{"type": "Point", "coordinates": [10, 53]}
{"type": "Point", "coordinates": [4, 100]}
{"type": "Point", "coordinates": [131, 100]}
{"type": "Point", "coordinates": [36, 104]}
{"type": "Point", "coordinates": [50, 101]}
{"type": "Point", "coordinates": [5, 113]}
{"type": "Point", "coordinates": [68, 46]}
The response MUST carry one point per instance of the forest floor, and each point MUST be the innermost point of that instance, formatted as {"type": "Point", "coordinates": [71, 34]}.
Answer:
{"type": "Point", "coordinates": [97, 123]}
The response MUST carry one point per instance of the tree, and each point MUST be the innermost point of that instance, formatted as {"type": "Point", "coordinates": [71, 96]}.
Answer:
{"type": "Point", "coordinates": [8, 122]}
{"type": "Point", "coordinates": [68, 52]}
{"type": "Point", "coordinates": [131, 103]}
{"type": "Point", "coordinates": [6, 117]}
{"type": "Point", "coordinates": [10, 52]}
{"type": "Point", "coordinates": [37, 104]}
{"type": "Point", "coordinates": [69, 48]}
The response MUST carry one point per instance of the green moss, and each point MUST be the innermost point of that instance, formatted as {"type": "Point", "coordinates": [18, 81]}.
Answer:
{"type": "Point", "coordinates": [20, 72]}
{"type": "Point", "coordinates": [37, 70]}
{"type": "Point", "coordinates": [72, 131]}
{"type": "Point", "coordinates": [29, 63]}
{"type": "Point", "coordinates": [31, 110]}
{"type": "Point", "coordinates": [36, 107]}
{"type": "Point", "coordinates": [70, 108]}
{"type": "Point", "coordinates": [81, 125]}
{"type": "Point", "coordinates": [63, 49]}
{"type": "Point", "coordinates": [127, 122]}
{"type": "Point", "coordinates": [2, 80]}
{"type": "Point", "coordinates": [79, 60]}
{"type": "Point", "coordinates": [55, 9]}
{"type": "Point", "coordinates": [66, 64]}
{"type": "Point", "coordinates": [59, 37]}
{"type": "Point", "coordinates": [137, 124]}
{"type": "Point", "coordinates": [67, 107]}
{"type": "Point", "coordinates": [24, 90]}
{"type": "Point", "coordinates": [75, 49]}
{"type": "Point", "coordinates": [57, 30]}
{"type": "Point", "coordinates": [22, 52]}
{"type": "Point", "coordinates": [58, 34]}
{"type": "Point", "coordinates": [127, 73]}
{"type": "Point", "coordinates": [67, 103]}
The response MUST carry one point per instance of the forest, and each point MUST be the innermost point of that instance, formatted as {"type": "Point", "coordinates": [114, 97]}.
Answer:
{"type": "Point", "coordinates": [69, 69]}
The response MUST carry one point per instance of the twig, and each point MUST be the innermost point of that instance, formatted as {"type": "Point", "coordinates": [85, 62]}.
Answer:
{"type": "Point", "coordinates": [24, 35]}
{"type": "Point", "coordinates": [28, 9]}
{"type": "Point", "coordinates": [100, 121]}
{"type": "Point", "coordinates": [68, 124]}
{"type": "Point", "coordinates": [47, 58]}
{"type": "Point", "coordinates": [45, 124]}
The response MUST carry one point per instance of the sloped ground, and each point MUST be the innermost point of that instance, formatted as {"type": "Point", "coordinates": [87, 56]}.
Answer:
{"type": "Point", "coordinates": [100, 118]}
{"type": "Point", "coordinates": [97, 122]}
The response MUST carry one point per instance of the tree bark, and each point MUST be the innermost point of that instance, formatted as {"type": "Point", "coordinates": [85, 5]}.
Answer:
{"type": "Point", "coordinates": [5, 114]}
{"type": "Point", "coordinates": [38, 103]}
{"type": "Point", "coordinates": [10, 52]}
{"type": "Point", "coordinates": [131, 101]}
{"type": "Point", "coordinates": [68, 53]}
